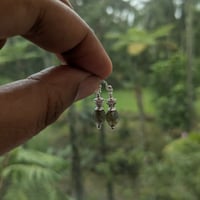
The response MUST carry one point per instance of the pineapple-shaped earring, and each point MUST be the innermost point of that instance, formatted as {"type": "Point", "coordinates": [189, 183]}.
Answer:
{"type": "Point", "coordinates": [99, 113]}
{"type": "Point", "coordinates": [112, 115]}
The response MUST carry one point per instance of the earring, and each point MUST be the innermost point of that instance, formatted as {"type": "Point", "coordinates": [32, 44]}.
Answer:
{"type": "Point", "coordinates": [112, 115]}
{"type": "Point", "coordinates": [100, 116]}
{"type": "Point", "coordinates": [99, 113]}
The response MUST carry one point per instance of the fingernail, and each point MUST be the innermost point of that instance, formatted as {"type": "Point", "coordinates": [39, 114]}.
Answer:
{"type": "Point", "coordinates": [87, 87]}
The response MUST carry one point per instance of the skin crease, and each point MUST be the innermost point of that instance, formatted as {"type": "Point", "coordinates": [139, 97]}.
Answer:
{"type": "Point", "coordinates": [29, 105]}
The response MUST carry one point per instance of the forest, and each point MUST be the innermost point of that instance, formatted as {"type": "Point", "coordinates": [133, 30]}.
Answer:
{"type": "Point", "coordinates": [154, 151]}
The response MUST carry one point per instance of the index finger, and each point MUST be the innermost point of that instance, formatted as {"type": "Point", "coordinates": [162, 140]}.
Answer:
{"type": "Point", "coordinates": [55, 27]}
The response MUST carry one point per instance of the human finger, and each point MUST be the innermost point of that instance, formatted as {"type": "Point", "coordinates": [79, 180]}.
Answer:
{"type": "Point", "coordinates": [38, 101]}
{"type": "Point", "coordinates": [73, 40]}
{"type": "Point", "coordinates": [55, 27]}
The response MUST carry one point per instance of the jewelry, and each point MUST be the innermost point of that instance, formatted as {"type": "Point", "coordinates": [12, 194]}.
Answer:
{"type": "Point", "coordinates": [99, 113]}
{"type": "Point", "coordinates": [112, 115]}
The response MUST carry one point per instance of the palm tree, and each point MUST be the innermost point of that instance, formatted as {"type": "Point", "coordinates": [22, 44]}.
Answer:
{"type": "Point", "coordinates": [30, 175]}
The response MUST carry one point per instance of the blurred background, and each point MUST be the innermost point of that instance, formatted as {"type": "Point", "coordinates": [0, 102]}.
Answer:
{"type": "Point", "coordinates": [154, 152]}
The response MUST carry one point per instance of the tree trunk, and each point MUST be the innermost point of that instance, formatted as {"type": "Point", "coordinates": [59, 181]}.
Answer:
{"type": "Point", "coordinates": [77, 181]}
{"type": "Point", "coordinates": [103, 153]}
{"type": "Point", "coordinates": [110, 190]}
{"type": "Point", "coordinates": [139, 100]}
{"type": "Point", "coordinates": [189, 52]}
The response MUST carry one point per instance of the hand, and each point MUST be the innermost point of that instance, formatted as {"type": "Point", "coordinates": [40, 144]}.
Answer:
{"type": "Point", "coordinates": [29, 105]}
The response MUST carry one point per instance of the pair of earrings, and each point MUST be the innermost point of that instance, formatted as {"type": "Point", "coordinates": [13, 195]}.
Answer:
{"type": "Point", "coordinates": [99, 113]}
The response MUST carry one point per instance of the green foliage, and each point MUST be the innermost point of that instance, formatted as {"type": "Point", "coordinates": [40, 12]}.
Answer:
{"type": "Point", "coordinates": [166, 74]}
{"type": "Point", "coordinates": [138, 36]}
{"type": "Point", "coordinates": [142, 38]}
{"type": "Point", "coordinates": [162, 31]}
{"type": "Point", "coordinates": [121, 162]}
{"type": "Point", "coordinates": [30, 171]}
{"type": "Point", "coordinates": [17, 50]}
{"type": "Point", "coordinates": [168, 82]}
{"type": "Point", "coordinates": [176, 176]}
{"type": "Point", "coordinates": [20, 58]}
{"type": "Point", "coordinates": [125, 162]}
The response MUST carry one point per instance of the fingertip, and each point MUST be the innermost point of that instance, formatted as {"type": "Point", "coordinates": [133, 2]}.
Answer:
{"type": "Point", "coordinates": [107, 69]}
{"type": "Point", "coordinates": [89, 55]}
{"type": "Point", "coordinates": [87, 87]}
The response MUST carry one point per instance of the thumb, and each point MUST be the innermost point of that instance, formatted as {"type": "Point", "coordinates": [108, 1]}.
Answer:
{"type": "Point", "coordinates": [29, 105]}
{"type": "Point", "coordinates": [69, 80]}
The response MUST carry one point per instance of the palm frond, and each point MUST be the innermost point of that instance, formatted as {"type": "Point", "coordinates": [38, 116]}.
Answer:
{"type": "Point", "coordinates": [28, 156]}
{"type": "Point", "coordinates": [29, 172]}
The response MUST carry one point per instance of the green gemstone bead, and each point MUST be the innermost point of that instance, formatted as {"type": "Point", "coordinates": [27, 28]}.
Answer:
{"type": "Point", "coordinates": [112, 117]}
{"type": "Point", "coordinates": [99, 116]}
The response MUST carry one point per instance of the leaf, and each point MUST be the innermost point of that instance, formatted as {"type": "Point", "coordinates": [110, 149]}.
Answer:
{"type": "Point", "coordinates": [119, 45]}
{"type": "Point", "coordinates": [15, 192]}
{"type": "Point", "coordinates": [29, 173]}
{"type": "Point", "coordinates": [135, 39]}
{"type": "Point", "coordinates": [136, 48]}
{"type": "Point", "coordinates": [38, 159]}
{"type": "Point", "coordinates": [162, 31]}
{"type": "Point", "coordinates": [18, 50]}
{"type": "Point", "coordinates": [113, 35]}
{"type": "Point", "coordinates": [138, 35]}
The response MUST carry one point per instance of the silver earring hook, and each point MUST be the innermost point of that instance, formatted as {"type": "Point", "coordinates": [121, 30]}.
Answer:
{"type": "Point", "coordinates": [99, 113]}
{"type": "Point", "coordinates": [112, 115]}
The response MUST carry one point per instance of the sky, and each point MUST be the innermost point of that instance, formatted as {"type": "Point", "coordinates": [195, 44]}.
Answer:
{"type": "Point", "coordinates": [138, 4]}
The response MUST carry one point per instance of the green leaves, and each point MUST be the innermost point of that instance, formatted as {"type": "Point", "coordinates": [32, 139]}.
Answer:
{"type": "Point", "coordinates": [168, 82]}
{"type": "Point", "coordinates": [162, 31]}
{"type": "Point", "coordinates": [136, 40]}
{"type": "Point", "coordinates": [176, 175]}
{"type": "Point", "coordinates": [17, 49]}
{"type": "Point", "coordinates": [26, 168]}
{"type": "Point", "coordinates": [28, 173]}
{"type": "Point", "coordinates": [29, 156]}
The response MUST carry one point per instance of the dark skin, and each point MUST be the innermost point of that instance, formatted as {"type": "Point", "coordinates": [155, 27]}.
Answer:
{"type": "Point", "coordinates": [29, 105]}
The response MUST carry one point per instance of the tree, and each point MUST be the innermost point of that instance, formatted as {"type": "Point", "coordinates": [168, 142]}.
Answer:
{"type": "Point", "coordinates": [137, 41]}
{"type": "Point", "coordinates": [168, 82]}
{"type": "Point", "coordinates": [25, 172]}
{"type": "Point", "coordinates": [189, 7]}
{"type": "Point", "coordinates": [175, 176]}
{"type": "Point", "coordinates": [108, 16]}
{"type": "Point", "coordinates": [76, 168]}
